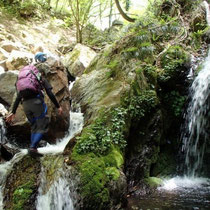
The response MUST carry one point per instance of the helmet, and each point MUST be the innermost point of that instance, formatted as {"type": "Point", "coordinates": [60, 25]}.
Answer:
{"type": "Point", "coordinates": [40, 57]}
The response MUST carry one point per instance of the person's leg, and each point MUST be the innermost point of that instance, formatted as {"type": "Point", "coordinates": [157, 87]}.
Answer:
{"type": "Point", "coordinates": [35, 139]}
{"type": "Point", "coordinates": [33, 109]}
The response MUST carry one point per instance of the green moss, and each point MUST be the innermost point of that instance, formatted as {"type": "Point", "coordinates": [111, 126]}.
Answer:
{"type": "Point", "coordinates": [142, 104]}
{"type": "Point", "coordinates": [165, 164]}
{"type": "Point", "coordinates": [96, 171]}
{"type": "Point", "coordinates": [114, 158]}
{"type": "Point", "coordinates": [112, 173]}
{"type": "Point", "coordinates": [175, 103]}
{"type": "Point", "coordinates": [113, 66]}
{"type": "Point", "coordinates": [140, 83]}
{"type": "Point", "coordinates": [171, 62]}
{"type": "Point", "coordinates": [153, 182]}
{"type": "Point", "coordinates": [74, 55]}
{"type": "Point", "coordinates": [25, 184]}
{"type": "Point", "coordinates": [148, 73]}
{"type": "Point", "coordinates": [22, 194]}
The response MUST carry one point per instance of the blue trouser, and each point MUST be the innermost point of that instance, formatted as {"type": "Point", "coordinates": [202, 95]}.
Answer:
{"type": "Point", "coordinates": [35, 139]}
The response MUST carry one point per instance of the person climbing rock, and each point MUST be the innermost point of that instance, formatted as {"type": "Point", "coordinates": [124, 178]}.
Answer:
{"type": "Point", "coordinates": [30, 85]}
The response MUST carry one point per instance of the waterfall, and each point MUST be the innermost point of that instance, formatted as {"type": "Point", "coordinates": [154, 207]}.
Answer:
{"type": "Point", "coordinates": [58, 196]}
{"type": "Point", "coordinates": [2, 131]}
{"type": "Point", "coordinates": [197, 120]}
{"type": "Point", "coordinates": [3, 112]}
{"type": "Point", "coordinates": [197, 116]}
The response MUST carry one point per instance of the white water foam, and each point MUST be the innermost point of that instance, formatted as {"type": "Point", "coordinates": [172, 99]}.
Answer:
{"type": "Point", "coordinates": [180, 183]}
{"type": "Point", "coordinates": [206, 5]}
{"type": "Point", "coordinates": [3, 110]}
{"type": "Point", "coordinates": [76, 124]}
{"type": "Point", "coordinates": [58, 197]}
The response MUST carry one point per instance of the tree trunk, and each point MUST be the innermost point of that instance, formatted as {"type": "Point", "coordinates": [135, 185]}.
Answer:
{"type": "Point", "coordinates": [126, 17]}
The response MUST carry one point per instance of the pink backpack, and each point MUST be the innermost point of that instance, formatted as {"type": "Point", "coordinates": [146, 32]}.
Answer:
{"type": "Point", "coordinates": [29, 78]}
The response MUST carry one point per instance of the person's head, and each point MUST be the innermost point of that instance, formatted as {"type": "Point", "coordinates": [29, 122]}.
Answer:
{"type": "Point", "coordinates": [40, 57]}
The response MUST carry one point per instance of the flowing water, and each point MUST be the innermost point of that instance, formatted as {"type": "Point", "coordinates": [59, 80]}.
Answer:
{"type": "Point", "coordinates": [189, 191]}
{"type": "Point", "coordinates": [51, 196]}
{"type": "Point", "coordinates": [197, 119]}
{"type": "Point", "coordinates": [58, 196]}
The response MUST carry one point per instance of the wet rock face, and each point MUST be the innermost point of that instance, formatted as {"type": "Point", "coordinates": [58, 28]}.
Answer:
{"type": "Point", "coordinates": [143, 148]}
{"type": "Point", "coordinates": [57, 77]}
{"type": "Point", "coordinates": [23, 182]}
{"type": "Point", "coordinates": [77, 60]}
{"type": "Point", "coordinates": [5, 154]}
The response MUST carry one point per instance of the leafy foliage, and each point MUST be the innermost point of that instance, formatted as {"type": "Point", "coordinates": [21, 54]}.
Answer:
{"type": "Point", "coordinates": [171, 62]}
{"type": "Point", "coordinates": [142, 104]}
{"type": "Point", "coordinates": [99, 137]}
{"type": "Point", "coordinates": [176, 102]}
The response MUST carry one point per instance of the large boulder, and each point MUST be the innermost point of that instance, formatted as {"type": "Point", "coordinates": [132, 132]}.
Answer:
{"type": "Point", "coordinates": [18, 59]}
{"type": "Point", "coordinates": [9, 46]}
{"type": "Point", "coordinates": [58, 124]}
{"type": "Point", "coordinates": [77, 60]}
{"type": "Point", "coordinates": [3, 54]}
{"type": "Point", "coordinates": [7, 80]}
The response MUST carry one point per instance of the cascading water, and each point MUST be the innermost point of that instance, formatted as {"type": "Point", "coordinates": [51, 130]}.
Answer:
{"type": "Point", "coordinates": [5, 169]}
{"type": "Point", "coordinates": [58, 196]}
{"type": "Point", "coordinates": [3, 112]}
{"type": "Point", "coordinates": [197, 119]}
{"type": "Point", "coordinates": [189, 191]}
{"type": "Point", "coordinates": [197, 116]}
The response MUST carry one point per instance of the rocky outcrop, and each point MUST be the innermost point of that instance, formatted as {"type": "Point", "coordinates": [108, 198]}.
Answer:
{"type": "Point", "coordinates": [58, 79]}
{"type": "Point", "coordinates": [18, 59]}
{"type": "Point", "coordinates": [58, 124]}
{"type": "Point", "coordinates": [23, 181]}
{"type": "Point", "coordinates": [79, 59]}
{"type": "Point", "coordinates": [7, 91]}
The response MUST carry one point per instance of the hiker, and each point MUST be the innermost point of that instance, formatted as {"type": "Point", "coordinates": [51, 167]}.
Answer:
{"type": "Point", "coordinates": [32, 99]}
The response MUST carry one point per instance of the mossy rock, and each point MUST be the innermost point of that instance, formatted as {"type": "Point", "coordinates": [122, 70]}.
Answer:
{"type": "Point", "coordinates": [22, 183]}
{"type": "Point", "coordinates": [165, 164]}
{"type": "Point", "coordinates": [96, 172]}
{"type": "Point", "coordinates": [174, 68]}
{"type": "Point", "coordinates": [153, 182]}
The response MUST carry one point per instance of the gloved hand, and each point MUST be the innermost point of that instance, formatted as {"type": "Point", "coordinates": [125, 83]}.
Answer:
{"type": "Point", "coordinates": [10, 118]}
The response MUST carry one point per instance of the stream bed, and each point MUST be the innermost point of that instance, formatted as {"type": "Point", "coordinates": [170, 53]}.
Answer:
{"type": "Point", "coordinates": [176, 194]}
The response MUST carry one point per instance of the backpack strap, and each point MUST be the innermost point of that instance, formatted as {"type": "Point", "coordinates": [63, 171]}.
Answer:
{"type": "Point", "coordinates": [37, 79]}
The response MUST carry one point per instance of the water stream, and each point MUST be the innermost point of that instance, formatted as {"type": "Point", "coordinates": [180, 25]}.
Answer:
{"type": "Point", "coordinates": [58, 196]}
{"type": "Point", "coordinates": [190, 191]}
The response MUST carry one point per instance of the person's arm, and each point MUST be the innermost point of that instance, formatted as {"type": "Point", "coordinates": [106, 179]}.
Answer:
{"type": "Point", "coordinates": [48, 89]}
{"type": "Point", "coordinates": [16, 103]}
{"type": "Point", "coordinates": [52, 97]}
{"type": "Point", "coordinates": [11, 116]}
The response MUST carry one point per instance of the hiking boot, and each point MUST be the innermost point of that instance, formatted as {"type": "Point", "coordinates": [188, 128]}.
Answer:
{"type": "Point", "coordinates": [34, 152]}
